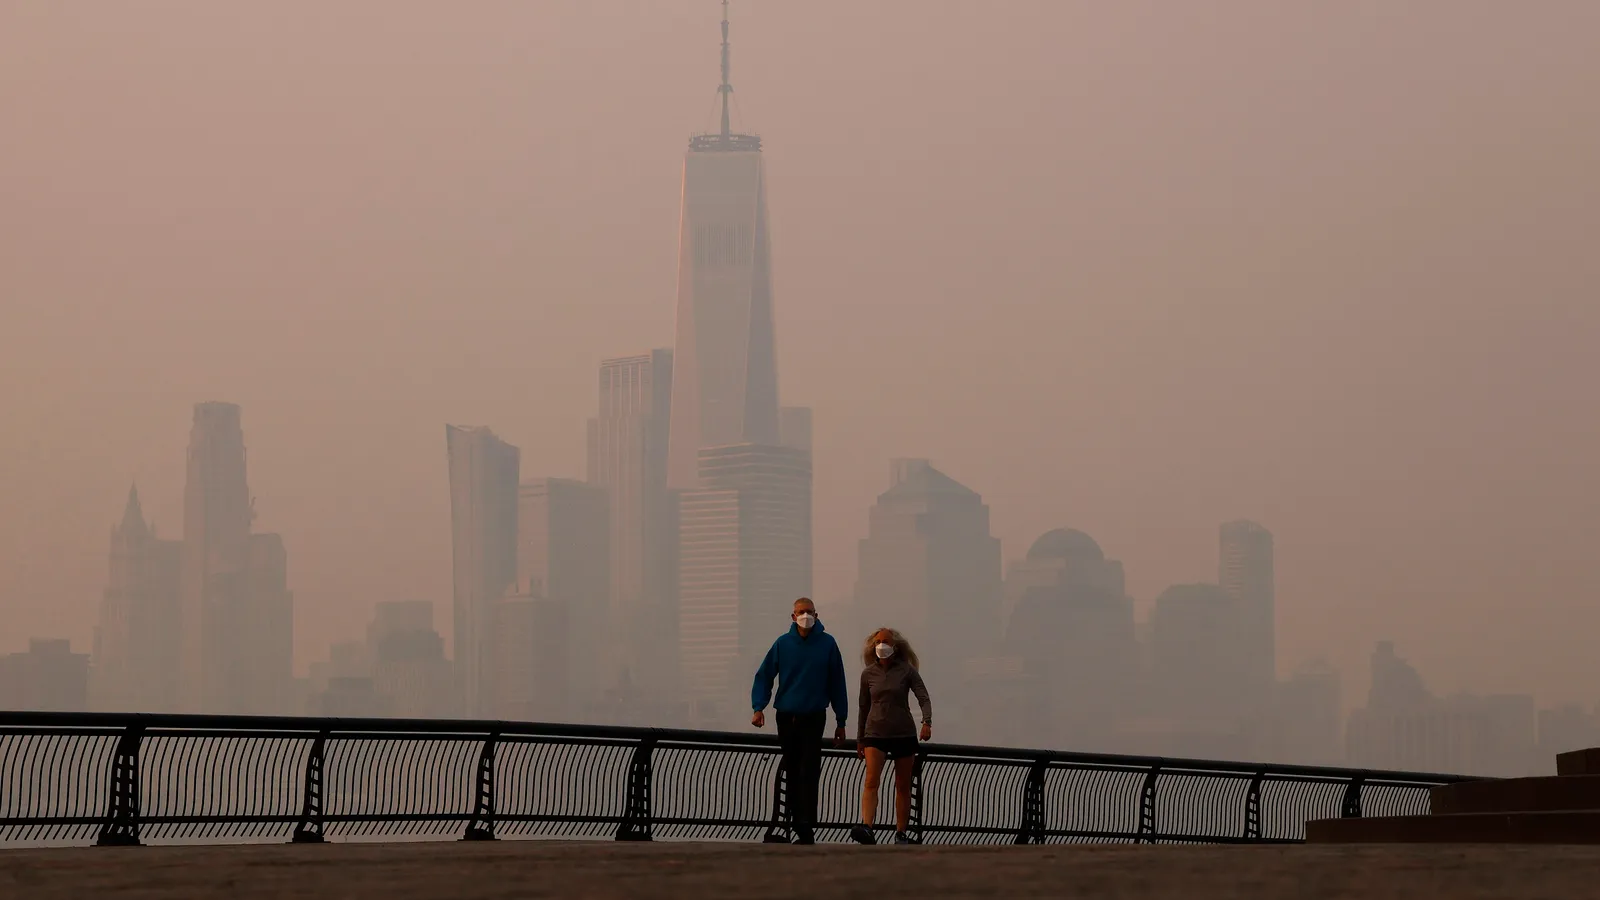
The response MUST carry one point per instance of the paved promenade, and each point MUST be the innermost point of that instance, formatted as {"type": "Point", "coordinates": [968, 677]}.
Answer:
{"type": "Point", "coordinates": [713, 871]}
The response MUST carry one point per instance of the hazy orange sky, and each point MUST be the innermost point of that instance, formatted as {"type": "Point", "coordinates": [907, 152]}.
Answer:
{"type": "Point", "coordinates": [1133, 267]}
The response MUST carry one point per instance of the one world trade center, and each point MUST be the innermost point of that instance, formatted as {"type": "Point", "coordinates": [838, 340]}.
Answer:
{"type": "Point", "coordinates": [725, 375]}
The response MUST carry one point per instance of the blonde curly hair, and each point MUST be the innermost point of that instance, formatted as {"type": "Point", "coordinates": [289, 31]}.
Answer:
{"type": "Point", "coordinates": [902, 647]}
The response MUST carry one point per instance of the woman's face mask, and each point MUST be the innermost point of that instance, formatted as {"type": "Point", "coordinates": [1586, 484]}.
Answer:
{"type": "Point", "coordinates": [884, 651]}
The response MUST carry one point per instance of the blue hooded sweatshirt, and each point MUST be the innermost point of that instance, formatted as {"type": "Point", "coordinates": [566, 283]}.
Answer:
{"type": "Point", "coordinates": [810, 675]}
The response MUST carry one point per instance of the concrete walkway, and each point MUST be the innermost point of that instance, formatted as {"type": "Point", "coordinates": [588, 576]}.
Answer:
{"type": "Point", "coordinates": [711, 871]}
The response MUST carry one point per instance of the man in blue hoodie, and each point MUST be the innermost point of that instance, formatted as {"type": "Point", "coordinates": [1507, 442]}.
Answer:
{"type": "Point", "coordinates": [810, 673]}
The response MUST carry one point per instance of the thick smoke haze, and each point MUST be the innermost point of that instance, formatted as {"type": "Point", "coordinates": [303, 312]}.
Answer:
{"type": "Point", "coordinates": [1136, 268]}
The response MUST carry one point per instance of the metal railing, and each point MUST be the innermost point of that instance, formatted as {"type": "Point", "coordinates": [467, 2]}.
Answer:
{"type": "Point", "coordinates": [126, 779]}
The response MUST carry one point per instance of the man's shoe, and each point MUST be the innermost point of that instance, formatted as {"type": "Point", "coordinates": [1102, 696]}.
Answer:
{"type": "Point", "coordinates": [805, 838]}
{"type": "Point", "coordinates": [861, 834]}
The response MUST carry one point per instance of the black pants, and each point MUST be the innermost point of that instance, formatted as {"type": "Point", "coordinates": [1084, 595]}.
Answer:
{"type": "Point", "coordinates": [800, 736]}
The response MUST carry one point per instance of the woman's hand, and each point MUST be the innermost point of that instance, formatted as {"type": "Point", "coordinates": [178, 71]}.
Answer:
{"type": "Point", "coordinates": [927, 731]}
{"type": "Point", "coordinates": [861, 751]}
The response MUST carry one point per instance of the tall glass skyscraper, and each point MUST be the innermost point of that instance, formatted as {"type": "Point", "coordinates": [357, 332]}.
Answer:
{"type": "Point", "coordinates": [725, 366]}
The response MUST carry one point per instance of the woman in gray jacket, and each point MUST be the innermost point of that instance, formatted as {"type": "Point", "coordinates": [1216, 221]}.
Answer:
{"type": "Point", "coordinates": [884, 729]}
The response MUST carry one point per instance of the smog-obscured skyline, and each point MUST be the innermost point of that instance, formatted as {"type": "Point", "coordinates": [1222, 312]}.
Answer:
{"type": "Point", "coordinates": [1134, 269]}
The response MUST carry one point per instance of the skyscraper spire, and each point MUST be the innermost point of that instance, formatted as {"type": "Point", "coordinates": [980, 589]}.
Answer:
{"type": "Point", "coordinates": [726, 90]}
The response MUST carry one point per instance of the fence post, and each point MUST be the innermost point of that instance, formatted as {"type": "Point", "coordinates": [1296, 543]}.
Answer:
{"type": "Point", "coordinates": [1252, 807]}
{"type": "Point", "coordinates": [1031, 829]}
{"type": "Point", "coordinates": [481, 826]}
{"type": "Point", "coordinates": [1351, 807]}
{"type": "Point", "coordinates": [635, 825]}
{"type": "Point", "coordinates": [121, 828]}
{"type": "Point", "coordinates": [1147, 805]}
{"type": "Point", "coordinates": [780, 830]}
{"type": "Point", "coordinates": [914, 826]}
{"type": "Point", "coordinates": [309, 829]}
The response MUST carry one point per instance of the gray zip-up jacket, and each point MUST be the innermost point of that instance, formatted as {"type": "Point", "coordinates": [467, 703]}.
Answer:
{"type": "Point", "coordinates": [884, 708]}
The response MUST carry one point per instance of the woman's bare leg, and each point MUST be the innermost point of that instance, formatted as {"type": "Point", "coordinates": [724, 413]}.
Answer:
{"type": "Point", "coordinates": [869, 789]}
{"type": "Point", "coordinates": [902, 791]}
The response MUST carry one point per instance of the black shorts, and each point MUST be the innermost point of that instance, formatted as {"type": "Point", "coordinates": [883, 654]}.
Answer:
{"type": "Point", "coordinates": [894, 748]}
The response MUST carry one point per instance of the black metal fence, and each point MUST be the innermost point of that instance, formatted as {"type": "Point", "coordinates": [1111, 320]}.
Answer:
{"type": "Point", "coordinates": [126, 779]}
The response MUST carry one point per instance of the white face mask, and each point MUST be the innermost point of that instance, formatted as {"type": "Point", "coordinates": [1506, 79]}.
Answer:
{"type": "Point", "coordinates": [884, 651]}
{"type": "Point", "coordinates": [805, 620]}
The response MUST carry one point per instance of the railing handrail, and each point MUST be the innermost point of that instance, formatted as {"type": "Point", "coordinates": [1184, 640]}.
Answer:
{"type": "Point", "coordinates": [310, 727]}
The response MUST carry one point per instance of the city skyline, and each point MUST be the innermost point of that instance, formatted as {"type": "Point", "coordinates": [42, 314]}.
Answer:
{"type": "Point", "coordinates": [1368, 460]}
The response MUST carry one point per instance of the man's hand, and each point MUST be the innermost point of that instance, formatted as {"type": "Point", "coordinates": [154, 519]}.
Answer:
{"type": "Point", "coordinates": [759, 720]}
{"type": "Point", "coordinates": [927, 731]}
{"type": "Point", "coordinates": [838, 737]}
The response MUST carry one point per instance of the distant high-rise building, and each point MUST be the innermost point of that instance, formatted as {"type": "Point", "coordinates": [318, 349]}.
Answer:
{"type": "Point", "coordinates": [725, 366]}
{"type": "Point", "coordinates": [136, 652]}
{"type": "Point", "coordinates": [744, 556]}
{"type": "Point", "coordinates": [1071, 622]}
{"type": "Point", "coordinates": [236, 651]}
{"type": "Point", "coordinates": [563, 529]}
{"type": "Point", "coordinates": [1198, 663]}
{"type": "Point", "coordinates": [1307, 724]}
{"type": "Point", "coordinates": [930, 568]}
{"type": "Point", "coordinates": [534, 658]}
{"type": "Point", "coordinates": [628, 458]}
{"type": "Point", "coordinates": [48, 677]}
{"type": "Point", "coordinates": [483, 530]}
{"type": "Point", "coordinates": [261, 632]}
{"type": "Point", "coordinates": [1244, 569]}
{"type": "Point", "coordinates": [216, 549]}
{"type": "Point", "coordinates": [794, 427]}
{"type": "Point", "coordinates": [408, 662]}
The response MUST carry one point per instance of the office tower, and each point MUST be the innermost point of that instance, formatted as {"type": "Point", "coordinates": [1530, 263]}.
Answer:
{"type": "Point", "coordinates": [216, 548]}
{"type": "Point", "coordinates": [1071, 623]}
{"type": "Point", "coordinates": [794, 427]}
{"type": "Point", "coordinates": [930, 568]}
{"type": "Point", "coordinates": [725, 368]}
{"type": "Point", "coordinates": [535, 651]}
{"type": "Point", "coordinates": [1244, 569]}
{"type": "Point", "coordinates": [136, 653]}
{"type": "Point", "coordinates": [1404, 726]}
{"type": "Point", "coordinates": [408, 664]}
{"type": "Point", "coordinates": [563, 529]}
{"type": "Point", "coordinates": [628, 458]}
{"type": "Point", "coordinates": [237, 622]}
{"type": "Point", "coordinates": [48, 677]}
{"type": "Point", "coordinates": [1308, 720]}
{"type": "Point", "coordinates": [483, 545]}
{"type": "Point", "coordinates": [1201, 670]}
{"type": "Point", "coordinates": [261, 631]}
{"type": "Point", "coordinates": [744, 556]}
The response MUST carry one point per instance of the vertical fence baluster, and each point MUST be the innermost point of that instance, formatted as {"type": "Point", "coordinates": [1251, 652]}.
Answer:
{"type": "Point", "coordinates": [636, 815]}
{"type": "Point", "coordinates": [1351, 807]}
{"type": "Point", "coordinates": [309, 829]}
{"type": "Point", "coordinates": [1252, 807]}
{"type": "Point", "coordinates": [1147, 805]}
{"type": "Point", "coordinates": [914, 826]}
{"type": "Point", "coordinates": [1031, 829]}
{"type": "Point", "coordinates": [121, 828]}
{"type": "Point", "coordinates": [780, 830]}
{"type": "Point", "coordinates": [481, 826]}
